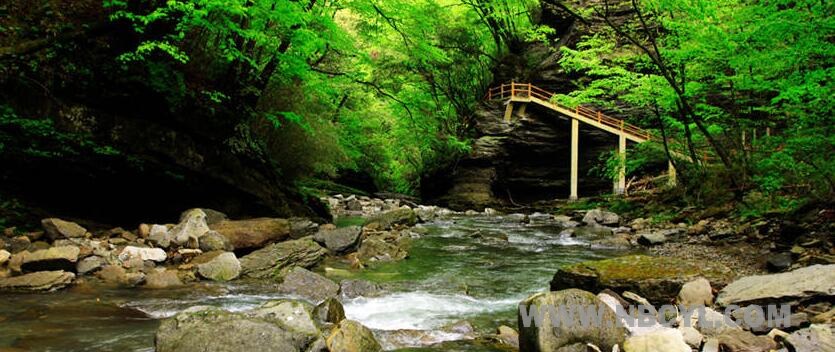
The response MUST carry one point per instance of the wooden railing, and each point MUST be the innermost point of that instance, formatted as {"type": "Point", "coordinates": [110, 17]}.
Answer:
{"type": "Point", "coordinates": [527, 91]}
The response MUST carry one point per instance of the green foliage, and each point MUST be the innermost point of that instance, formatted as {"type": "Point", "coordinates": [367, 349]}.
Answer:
{"type": "Point", "coordinates": [318, 87]}
{"type": "Point", "coordinates": [739, 68]}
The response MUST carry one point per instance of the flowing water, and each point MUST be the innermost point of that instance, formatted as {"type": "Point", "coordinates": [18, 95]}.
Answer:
{"type": "Point", "coordinates": [463, 268]}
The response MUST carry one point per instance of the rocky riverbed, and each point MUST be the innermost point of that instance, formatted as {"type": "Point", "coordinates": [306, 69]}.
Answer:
{"type": "Point", "coordinates": [389, 274]}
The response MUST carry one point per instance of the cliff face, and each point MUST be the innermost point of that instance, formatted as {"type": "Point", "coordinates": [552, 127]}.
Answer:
{"type": "Point", "coordinates": [528, 159]}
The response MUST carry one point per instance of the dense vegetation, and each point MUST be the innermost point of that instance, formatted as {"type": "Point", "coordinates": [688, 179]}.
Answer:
{"type": "Point", "coordinates": [317, 88]}
{"type": "Point", "coordinates": [744, 87]}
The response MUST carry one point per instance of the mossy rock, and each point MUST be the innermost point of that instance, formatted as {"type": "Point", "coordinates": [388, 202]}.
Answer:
{"type": "Point", "coordinates": [658, 279]}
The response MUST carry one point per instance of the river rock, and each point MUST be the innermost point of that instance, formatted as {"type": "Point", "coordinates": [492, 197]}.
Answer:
{"type": "Point", "coordinates": [89, 265]}
{"type": "Point", "coordinates": [160, 236]}
{"type": "Point", "coordinates": [193, 225]}
{"type": "Point", "coordinates": [56, 228]}
{"type": "Point", "coordinates": [340, 240]}
{"type": "Point", "coordinates": [403, 216]}
{"type": "Point", "coordinates": [652, 239]}
{"type": "Point", "coordinates": [253, 233]}
{"type": "Point", "coordinates": [200, 329]}
{"type": "Point", "coordinates": [696, 293]}
{"type": "Point", "coordinates": [817, 337]}
{"type": "Point", "coordinates": [779, 262]}
{"type": "Point", "coordinates": [351, 336]}
{"type": "Point", "coordinates": [153, 254]}
{"type": "Point", "coordinates": [55, 258]}
{"type": "Point", "coordinates": [656, 278]}
{"type": "Point", "coordinates": [811, 281]}
{"type": "Point", "coordinates": [39, 281]}
{"type": "Point", "coordinates": [212, 216]}
{"type": "Point", "coordinates": [359, 288]}
{"type": "Point", "coordinates": [508, 336]}
{"type": "Point", "coordinates": [308, 285]}
{"type": "Point", "coordinates": [302, 227]}
{"type": "Point", "coordinates": [661, 340]}
{"type": "Point", "coordinates": [276, 259]}
{"type": "Point", "coordinates": [384, 246]}
{"type": "Point", "coordinates": [296, 316]}
{"type": "Point", "coordinates": [598, 216]}
{"type": "Point", "coordinates": [4, 256]}
{"type": "Point", "coordinates": [547, 337]}
{"type": "Point", "coordinates": [744, 341]}
{"type": "Point", "coordinates": [18, 244]}
{"type": "Point", "coordinates": [214, 241]}
{"type": "Point", "coordinates": [218, 266]}
{"type": "Point", "coordinates": [117, 275]}
{"type": "Point", "coordinates": [692, 337]}
{"type": "Point", "coordinates": [713, 323]}
{"type": "Point", "coordinates": [329, 311]}
{"type": "Point", "coordinates": [162, 279]}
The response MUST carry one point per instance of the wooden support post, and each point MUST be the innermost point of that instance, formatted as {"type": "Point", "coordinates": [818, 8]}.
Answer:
{"type": "Point", "coordinates": [671, 174]}
{"type": "Point", "coordinates": [620, 183]}
{"type": "Point", "coordinates": [508, 111]}
{"type": "Point", "coordinates": [521, 111]}
{"type": "Point", "coordinates": [575, 144]}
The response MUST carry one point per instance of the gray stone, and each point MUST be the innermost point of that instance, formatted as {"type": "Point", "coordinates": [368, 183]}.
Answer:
{"type": "Point", "coordinates": [153, 254]}
{"type": "Point", "coordinates": [661, 340]}
{"type": "Point", "coordinates": [55, 258]}
{"type": "Point", "coordinates": [340, 240]}
{"type": "Point", "coordinates": [218, 266]}
{"type": "Point", "coordinates": [200, 329]}
{"type": "Point", "coordinates": [276, 259]}
{"type": "Point", "coordinates": [598, 216]}
{"type": "Point", "coordinates": [214, 241]}
{"type": "Point", "coordinates": [253, 233]}
{"type": "Point", "coordinates": [384, 246]}
{"type": "Point", "coordinates": [160, 236]}
{"type": "Point", "coordinates": [779, 262]}
{"type": "Point", "coordinates": [359, 288]}
{"type": "Point", "coordinates": [191, 227]}
{"type": "Point", "coordinates": [817, 337]}
{"type": "Point", "coordinates": [812, 281]}
{"type": "Point", "coordinates": [546, 337]}
{"type": "Point", "coordinates": [744, 341]}
{"type": "Point", "coordinates": [89, 265]}
{"type": "Point", "coordinates": [4, 256]}
{"type": "Point", "coordinates": [302, 227]}
{"type": "Point", "coordinates": [696, 293]}
{"type": "Point", "coordinates": [351, 336]}
{"type": "Point", "coordinates": [212, 216]}
{"type": "Point", "coordinates": [308, 285]}
{"type": "Point", "coordinates": [329, 311]}
{"type": "Point", "coordinates": [652, 239]}
{"type": "Point", "coordinates": [39, 281]}
{"type": "Point", "coordinates": [402, 216]}
{"type": "Point", "coordinates": [56, 228]}
{"type": "Point", "coordinates": [117, 275]}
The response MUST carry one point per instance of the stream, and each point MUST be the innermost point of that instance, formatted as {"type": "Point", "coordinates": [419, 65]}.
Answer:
{"type": "Point", "coordinates": [473, 268]}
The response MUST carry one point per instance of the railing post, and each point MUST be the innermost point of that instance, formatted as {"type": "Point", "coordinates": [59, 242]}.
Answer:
{"type": "Point", "coordinates": [502, 91]}
{"type": "Point", "coordinates": [599, 118]}
{"type": "Point", "coordinates": [530, 90]}
{"type": "Point", "coordinates": [512, 89]}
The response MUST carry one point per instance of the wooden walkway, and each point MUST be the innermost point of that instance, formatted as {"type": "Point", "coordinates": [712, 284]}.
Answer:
{"type": "Point", "coordinates": [524, 93]}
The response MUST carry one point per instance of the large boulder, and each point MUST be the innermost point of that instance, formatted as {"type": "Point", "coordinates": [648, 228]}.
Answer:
{"type": "Point", "coordinates": [340, 240]}
{"type": "Point", "coordinates": [54, 258]}
{"type": "Point", "coordinates": [276, 259]}
{"type": "Point", "coordinates": [117, 275]}
{"type": "Point", "coordinates": [402, 216]}
{"type": "Point", "coordinates": [817, 337]}
{"type": "Point", "coordinates": [803, 283]}
{"type": "Point", "coordinates": [546, 336]}
{"type": "Point", "coordinates": [160, 236]}
{"type": "Point", "coordinates": [191, 227]}
{"type": "Point", "coordinates": [199, 329]}
{"type": "Point", "coordinates": [359, 288]}
{"type": "Point", "coordinates": [351, 336]}
{"type": "Point", "coordinates": [602, 217]}
{"type": "Point", "coordinates": [253, 233]}
{"type": "Point", "coordinates": [162, 279]}
{"type": "Point", "coordinates": [384, 247]}
{"type": "Point", "coordinates": [39, 281]}
{"type": "Point", "coordinates": [214, 241]}
{"type": "Point", "coordinates": [302, 227]}
{"type": "Point", "coordinates": [661, 340]}
{"type": "Point", "coordinates": [308, 285]}
{"type": "Point", "coordinates": [218, 266]}
{"type": "Point", "coordinates": [656, 278]}
{"type": "Point", "coordinates": [696, 293]}
{"type": "Point", "coordinates": [56, 229]}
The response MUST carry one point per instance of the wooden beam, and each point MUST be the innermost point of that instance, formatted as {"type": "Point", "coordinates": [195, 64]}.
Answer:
{"type": "Point", "coordinates": [508, 111]}
{"type": "Point", "coordinates": [575, 144]}
{"type": "Point", "coordinates": [620, 183]}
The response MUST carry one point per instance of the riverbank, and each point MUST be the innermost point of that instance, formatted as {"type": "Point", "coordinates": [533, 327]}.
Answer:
{"type": "Point", "coordinates": [412, 276]}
